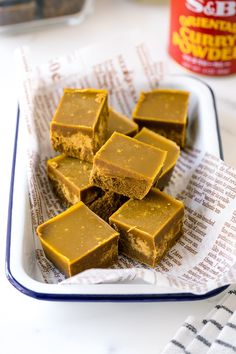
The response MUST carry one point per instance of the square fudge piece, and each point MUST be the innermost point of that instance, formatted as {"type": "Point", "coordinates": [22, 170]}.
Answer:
{"type": "Point", "coordinates": [79, 126]}
{"type": "Point", "coordinates": [149, 227]}
{"type": "Point", "coordinates": [149, 137]}
{"type": "Point", "coordinates": [70, 179]}
{"type": "Point", "coordinates": [165, 112]}
{"type": "Point", "coordinates": [77, 239]}
{"type": "Point", "coordinates": [117, 122]}
{"type": "Point", "coordinates": [127, 166]}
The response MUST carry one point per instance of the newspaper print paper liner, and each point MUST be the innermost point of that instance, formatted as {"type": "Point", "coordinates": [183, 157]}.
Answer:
{"type": "Point", "coordinates": [204, 258]}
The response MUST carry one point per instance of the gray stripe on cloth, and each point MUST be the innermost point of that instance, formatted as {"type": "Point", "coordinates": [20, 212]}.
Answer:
{"type": "Point", "coordinates": [231, 325]}
{"type": "Point", "coordinates": [203, 340]}
{"type": "Point", "coordinates": [225, 344]}
{"type": "Point", "coordinates": [214, 322]}
{"type": "Point", "coordinates": [224, 308]}
{"type": "Point", "coordinates": [190, 327]}
{"type": "Point", "coordinates": [232, 292]}
{"type": "Point", "coordinates": [179, 345]}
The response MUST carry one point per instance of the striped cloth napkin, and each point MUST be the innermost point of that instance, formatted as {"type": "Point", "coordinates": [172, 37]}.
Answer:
{"type": "Point", "coordinates": [212, 335]}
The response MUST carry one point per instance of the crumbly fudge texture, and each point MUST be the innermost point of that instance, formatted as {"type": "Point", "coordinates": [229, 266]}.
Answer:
{"type": "Point", "coordinates": [77, 239]}
{"type": "Point", "coordinates": [106, 204]}
{"type": "Point", "coordinates": [127, 166]}
{"type": "Point", "coordinates": [149, 227]}
{"type": "Point", "coordinates": [70, 179]}
{"type": "Point", "coordinates": [149, 137]}
{"type": "Point", "coordinates": [79, 126]}
{"type": "Point", "coordinates": [165, 112]}
{"type": "Point", "coordinates": [117, 122]}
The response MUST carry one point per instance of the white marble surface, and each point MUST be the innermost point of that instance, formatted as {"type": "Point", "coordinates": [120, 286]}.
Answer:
{"type": "Point", "coordinates": [28, 325]}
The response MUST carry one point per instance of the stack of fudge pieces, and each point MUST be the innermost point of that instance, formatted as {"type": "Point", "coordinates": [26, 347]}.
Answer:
{"type": "Point", "coordinates": [110, 175]}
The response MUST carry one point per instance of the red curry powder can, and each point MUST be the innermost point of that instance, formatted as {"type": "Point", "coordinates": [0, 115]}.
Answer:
{"type": "Point", "coordinates": [203, 36]}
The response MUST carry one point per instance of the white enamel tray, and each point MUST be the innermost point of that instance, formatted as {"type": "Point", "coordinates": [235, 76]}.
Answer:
{"type": "Point", "coordinates": [203, 129]}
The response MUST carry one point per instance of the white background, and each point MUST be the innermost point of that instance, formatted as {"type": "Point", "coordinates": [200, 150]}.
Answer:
{"type": "Point", "coordinates": [32, 326]}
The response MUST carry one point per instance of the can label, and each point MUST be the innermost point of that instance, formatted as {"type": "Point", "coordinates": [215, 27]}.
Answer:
{"type": "Point", "coordinates": [203, 35]}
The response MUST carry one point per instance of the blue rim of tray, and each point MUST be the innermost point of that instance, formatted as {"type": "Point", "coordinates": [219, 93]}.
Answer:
{"type": "Point", "coordinates": [97, 297]}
